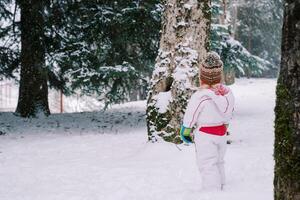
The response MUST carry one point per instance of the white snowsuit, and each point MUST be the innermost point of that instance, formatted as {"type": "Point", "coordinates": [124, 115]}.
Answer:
{"type": "Point", "coordinates": [208, 108]}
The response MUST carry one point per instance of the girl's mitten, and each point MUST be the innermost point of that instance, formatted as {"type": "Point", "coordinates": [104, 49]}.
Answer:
{"type": "Point", "coordinates": [185, 134]}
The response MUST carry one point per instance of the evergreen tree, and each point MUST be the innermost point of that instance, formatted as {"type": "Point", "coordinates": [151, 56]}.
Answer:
{"type": "Point", "coordinates": [9, 40]}
{"type": "Point", "coordinates": [257, 27]}
{"type": "Point", "coordinates": [238, 61]}
{"type": "Point", "coordinates": [183, 45]}
{"type": "Point", "coordinates": [287, 129]}
{"type": "Point", "coordinates": [104, 47]}
{"type": "Point", "coordinates": [33, 90]}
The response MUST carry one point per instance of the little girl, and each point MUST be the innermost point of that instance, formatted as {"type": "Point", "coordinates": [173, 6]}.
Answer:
{"type": "Point", "coordinates": [210, 109]}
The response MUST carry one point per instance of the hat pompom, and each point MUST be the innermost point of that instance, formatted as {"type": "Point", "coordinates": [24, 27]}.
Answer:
{"type": "Point", "coordinates": [211, 69]}
{"type": "Point", "coordinates": [213, 60]}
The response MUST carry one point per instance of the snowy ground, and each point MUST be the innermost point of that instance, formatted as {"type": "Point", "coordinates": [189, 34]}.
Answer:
{"type": "Point", "coordinates": [93, 156]}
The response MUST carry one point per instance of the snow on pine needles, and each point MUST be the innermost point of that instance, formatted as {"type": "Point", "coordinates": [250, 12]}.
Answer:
{"type": "Point", "coordinates": [96, 155]}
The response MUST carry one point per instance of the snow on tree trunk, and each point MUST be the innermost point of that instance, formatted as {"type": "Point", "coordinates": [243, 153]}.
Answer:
{"type": "Point", "coordinates": [33, 91]}
{"type": "Point", "coordinates": [183, 45]}
{"type": "Point", "coordinates": [287, 110]}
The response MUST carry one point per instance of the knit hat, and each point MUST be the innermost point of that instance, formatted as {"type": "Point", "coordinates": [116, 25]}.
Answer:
{"type": "Point", "coordinates": [211, 69]}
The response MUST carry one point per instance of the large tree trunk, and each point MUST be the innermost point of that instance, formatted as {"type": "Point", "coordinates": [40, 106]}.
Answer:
{"type": "Point", "coordinates": [33, 91]}
{"type": "Point", "coordinates": [184, 43]}
{"type": "Point", "coordinates": [287, 110]}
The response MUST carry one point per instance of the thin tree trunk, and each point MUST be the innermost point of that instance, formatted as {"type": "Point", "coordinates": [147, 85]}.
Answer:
{"type": "Point", "coordinates": [183, 45]}
{"type": "Point", "coordinates": [224, 16]}
{"type": "Point", "coordinates": [287, 110]}
{"type": "Point", "coordinates": [250, 38]}
{"type": "Point", "coordinates": [33, 91]}
{"type": "Point", "coordinates": [229, 74]}
{"type": "Point", "coordinates": [235, 22]}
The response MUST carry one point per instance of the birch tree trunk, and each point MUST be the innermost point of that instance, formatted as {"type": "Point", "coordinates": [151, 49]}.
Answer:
{"type": "Point", "coordinates": [287, 110]}
{"type": "Point", "coordinates": [183, 45]}
{"type": "Point", "coordinates": [33, 91]}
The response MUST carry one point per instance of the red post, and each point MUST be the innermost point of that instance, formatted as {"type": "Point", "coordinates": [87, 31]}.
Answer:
{"type": "Point", "coordinates": [61, 102]}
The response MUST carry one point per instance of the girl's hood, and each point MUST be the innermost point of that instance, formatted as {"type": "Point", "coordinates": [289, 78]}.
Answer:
{"type": "Point", "coordinates": [222, 97]}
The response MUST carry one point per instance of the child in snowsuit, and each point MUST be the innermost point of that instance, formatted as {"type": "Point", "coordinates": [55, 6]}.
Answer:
{"type": "Point", "coordinates": [210, 109]}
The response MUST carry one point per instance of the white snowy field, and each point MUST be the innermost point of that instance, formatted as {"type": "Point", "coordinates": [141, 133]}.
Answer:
{"type": "Point", "coordinates": [96, 155]}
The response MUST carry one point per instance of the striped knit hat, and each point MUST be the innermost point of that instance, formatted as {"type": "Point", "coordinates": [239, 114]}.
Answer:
{"type": "Point", "coordinates": [211, 69]}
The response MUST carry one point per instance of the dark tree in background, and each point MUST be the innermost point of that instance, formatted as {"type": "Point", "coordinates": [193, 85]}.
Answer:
{"type": "Point", "coordinates": [33, 91]}
{"type": "Point", "coordinates": [287, 110]}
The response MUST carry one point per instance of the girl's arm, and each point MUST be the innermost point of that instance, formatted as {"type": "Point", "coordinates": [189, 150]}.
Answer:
{"type": "Point", "coordinates": [194, 107]}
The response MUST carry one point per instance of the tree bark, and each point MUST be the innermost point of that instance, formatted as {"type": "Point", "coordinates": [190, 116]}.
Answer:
{"type": "Point", "coordinates": [287, 110]}
{"type": "Point", "coordinates": [183, 45]}
{"type": "Point", "coordinates": [229, 74]}
{"type": "Point", "coordinates": [224, 15]}
{"type": "Point", "coordinates": [33, 90]}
